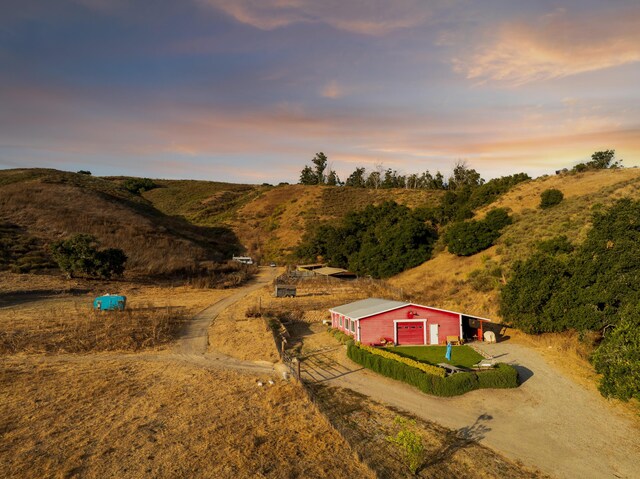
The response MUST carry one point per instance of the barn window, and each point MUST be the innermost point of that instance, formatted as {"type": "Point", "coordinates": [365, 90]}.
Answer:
{"type": "Point", "coordinates": [353, 326]}
{"type": "Point", "coordinates": [347, 324]}
{"type": "Point", "coordinates": [340, 321]}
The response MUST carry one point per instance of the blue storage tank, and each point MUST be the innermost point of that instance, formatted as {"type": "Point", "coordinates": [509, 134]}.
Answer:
{"type": "Point", "coordinates": [110, 302]}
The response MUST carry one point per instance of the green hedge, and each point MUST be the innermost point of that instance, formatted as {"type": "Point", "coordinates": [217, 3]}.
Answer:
{"type": "Point", "coordinates": [340, 336]}
{"type": "Point", "coordinates": [504, 376]}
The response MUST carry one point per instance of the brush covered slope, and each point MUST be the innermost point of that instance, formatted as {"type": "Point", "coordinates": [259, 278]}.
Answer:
{"type": "Point", "coordinates": [472, 283]}
{"type": "Point", "coordinates": [270, 221]}
{"type": "Point", "coordinates": [39, 206]}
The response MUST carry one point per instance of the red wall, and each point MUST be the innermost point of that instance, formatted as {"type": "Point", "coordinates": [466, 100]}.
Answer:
{"type": "Point", "coordinates": [381, 326]}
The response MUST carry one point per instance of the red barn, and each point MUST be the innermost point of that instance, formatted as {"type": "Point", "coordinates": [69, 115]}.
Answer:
{"type": "Point", "coordinates": [372, 320]}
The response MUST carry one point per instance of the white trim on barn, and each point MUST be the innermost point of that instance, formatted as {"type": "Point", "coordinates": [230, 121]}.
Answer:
{"type": "Point", "coordinates": [402, 305]}
{"type": "Point", "coordinates": [395, 328]}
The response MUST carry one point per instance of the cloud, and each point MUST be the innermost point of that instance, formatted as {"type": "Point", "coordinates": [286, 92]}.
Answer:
{"type": "Point", "coordinates": [359, 16]}
{"type": "Point", "coordinates": [555, 46]}
{"type": "Point", "coordinates": [332, 90]}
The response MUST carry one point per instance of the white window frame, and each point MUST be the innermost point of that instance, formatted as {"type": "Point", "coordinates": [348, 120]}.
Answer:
{"type": "Point", "coordinates": [424, 329]}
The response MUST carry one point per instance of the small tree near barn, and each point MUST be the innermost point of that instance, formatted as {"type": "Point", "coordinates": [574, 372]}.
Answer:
{"type": "Point", "coordinates": [409, 442]}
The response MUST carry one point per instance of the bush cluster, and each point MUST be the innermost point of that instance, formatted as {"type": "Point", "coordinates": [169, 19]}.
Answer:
{"type": "Point", "coordinates": [504, 376]}
{"type": "Point", "coordinates": [550, 197]}
{"type": "Point", "coordinates": [340, 336]}
{"type": "Point", "coordinates": [594, 288]}
{"type": "Point", "coordinates": [79, 255]}
{"type": "Point", "coordinates": [466, 238]}
{"type": "Point", "coordinates": [379, 241]}
{"type": "Point", "coordinates": [138, 185]}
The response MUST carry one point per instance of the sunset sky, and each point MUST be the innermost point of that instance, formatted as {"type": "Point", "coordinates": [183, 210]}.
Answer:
{"type": "Point", "coordinates": [250, 90]}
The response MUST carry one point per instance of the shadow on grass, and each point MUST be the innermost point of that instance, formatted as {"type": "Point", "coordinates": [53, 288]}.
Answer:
{"type": "Point", "coordinates": [459, 439]}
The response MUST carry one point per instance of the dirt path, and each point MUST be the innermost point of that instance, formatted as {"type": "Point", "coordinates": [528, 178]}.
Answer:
{"type": "Point", "coordinates": [194, 340]}
{"type": "Point", "coordinates": [548, 422]}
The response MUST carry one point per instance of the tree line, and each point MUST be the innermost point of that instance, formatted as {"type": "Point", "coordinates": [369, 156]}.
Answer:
{"type": "Point", "coordinates": [320, 173]}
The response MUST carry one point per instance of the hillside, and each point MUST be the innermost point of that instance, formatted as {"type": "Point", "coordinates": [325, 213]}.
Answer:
{"type": "Point", "coordinates": [39, 206]}
{"type": "Point", "coordinates": [471, 283]}
{"type": "Point", "coordinates": [270, 221]}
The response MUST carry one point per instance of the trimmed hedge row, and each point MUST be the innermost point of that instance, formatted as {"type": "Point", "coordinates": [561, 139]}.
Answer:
{"type": "Point", "coordinates": [503, 376]}
{"type": "Point", "coordinates": [427, 368]}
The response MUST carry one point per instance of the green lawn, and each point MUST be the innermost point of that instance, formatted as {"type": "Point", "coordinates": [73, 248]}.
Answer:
{"type": "Point", "coordinates": [462, 356]}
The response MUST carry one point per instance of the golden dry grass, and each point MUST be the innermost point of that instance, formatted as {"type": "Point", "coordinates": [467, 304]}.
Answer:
{"type": "Point", "coordinates": [366, 424]}
{"type": "Point", "coordinates": [96, 418]}
{"type": "Point", "coordinates": [83, 330]}
{"type": "Point", "coordinates": [242, 337]}
{"type": "Point", "coordinates": [68, 323]}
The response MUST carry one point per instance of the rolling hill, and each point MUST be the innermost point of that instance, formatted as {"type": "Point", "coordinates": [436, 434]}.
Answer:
{"type": "Point", "coordinates": [471, 284]}
{"type": "Point", "coordinates": [39, 206]}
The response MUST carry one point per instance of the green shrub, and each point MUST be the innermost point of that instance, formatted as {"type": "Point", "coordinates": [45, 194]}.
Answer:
{"type": "Point", "coordinates": [501, 377]}
{"type": "Point", "coordinates": [138, 185]}
{"type": "Point", "coordinates": [340, 336]}
{"type": "Point", "coordinates": [454, 385]}
{"type": "Point", "coordinates": [380, 241]}
{"type": "Point", "coordinates": [79, 255]}
{"type": "Point", "coordinates": [470, 237]}
{"type": "Point", "coordinates": [556, 245]}
{"type": "Point", "coordinates": [550, 197]}
{"type": "Point", "coordinates": [618, 358]}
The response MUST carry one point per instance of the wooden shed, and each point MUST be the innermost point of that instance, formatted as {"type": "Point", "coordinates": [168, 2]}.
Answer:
{"type": "Point", "coordinates": [375, 321]}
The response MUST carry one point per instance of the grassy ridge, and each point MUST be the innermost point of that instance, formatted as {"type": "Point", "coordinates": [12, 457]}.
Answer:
{"type": "Point", "coordinates": [48, 205]}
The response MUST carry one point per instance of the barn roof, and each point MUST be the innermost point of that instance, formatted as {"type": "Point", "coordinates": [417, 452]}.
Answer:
{"type": "Point", "coordinates": [368, 307]}
{"type": "Point", "coordinates": [371, 306]}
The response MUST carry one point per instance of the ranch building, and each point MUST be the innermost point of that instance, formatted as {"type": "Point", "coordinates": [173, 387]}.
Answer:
{"type": "Point", "coordinates": [377, 321]}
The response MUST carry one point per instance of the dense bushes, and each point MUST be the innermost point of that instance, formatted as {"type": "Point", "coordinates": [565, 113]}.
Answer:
{"type": "Point", "coordinates": [470, 237]}
{"type": "Point", "coordinates": [618, 358]}
{"type": "Point", "coordinates": [504, 376]}
{"type": "Point", "coordinates": [550, 197]}
{"type": "Point", "coordinates": [591, 288]}
{"type": "Point", "coordinates": [138, 185]}
{"type": "Point", "coordinates": [340, 336]}
{"type": "Point", "coordinates": [79, 255]}
{"type": "Point", "coordinates": [379, 241]}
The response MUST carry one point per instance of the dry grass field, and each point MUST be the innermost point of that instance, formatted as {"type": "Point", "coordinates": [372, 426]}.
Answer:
{"type": "Point", "coordinates": [131, 413]}
{"type": "Point", "coordinates": [40, 315]}
{"type": "Point", "coordinates": [96, 418]}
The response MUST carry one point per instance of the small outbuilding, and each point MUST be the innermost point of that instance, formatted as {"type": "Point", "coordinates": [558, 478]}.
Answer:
{"type": "Point", "coordinates": [377, 321]}
{"type": "Point", "coordinates": [285, 291]}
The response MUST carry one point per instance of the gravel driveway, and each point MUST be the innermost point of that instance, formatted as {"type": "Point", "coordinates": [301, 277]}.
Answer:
{"type": "Point", "coordinates": [549, 422]}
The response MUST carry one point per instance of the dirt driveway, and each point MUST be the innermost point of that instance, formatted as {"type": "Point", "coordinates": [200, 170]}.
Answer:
{"type": "Point", "coordinates": [549, 422]}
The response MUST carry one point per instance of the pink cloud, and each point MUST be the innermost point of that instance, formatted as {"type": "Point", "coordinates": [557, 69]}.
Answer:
{"type": "Point", "coordinates": [555, 46]}
{"type": "Point", "coordinates": [360, 16]}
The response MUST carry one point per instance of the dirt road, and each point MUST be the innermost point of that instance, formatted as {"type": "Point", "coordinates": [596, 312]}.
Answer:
{"type": "Point", "coordinates": [548, 422]}
{"type": "Point", "coordinates": [194, 341]}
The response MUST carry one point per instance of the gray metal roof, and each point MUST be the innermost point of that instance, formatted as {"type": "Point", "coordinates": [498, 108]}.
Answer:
{"type": "Point", "coordinates": [368, 307]}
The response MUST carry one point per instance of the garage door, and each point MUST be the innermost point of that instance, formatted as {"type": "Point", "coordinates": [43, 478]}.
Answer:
{"type": "Point", "coordinates": [410, 333]}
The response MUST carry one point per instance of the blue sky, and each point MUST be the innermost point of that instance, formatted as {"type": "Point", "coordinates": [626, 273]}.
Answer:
{"type": "Point", "coordinates": [249, 90]}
